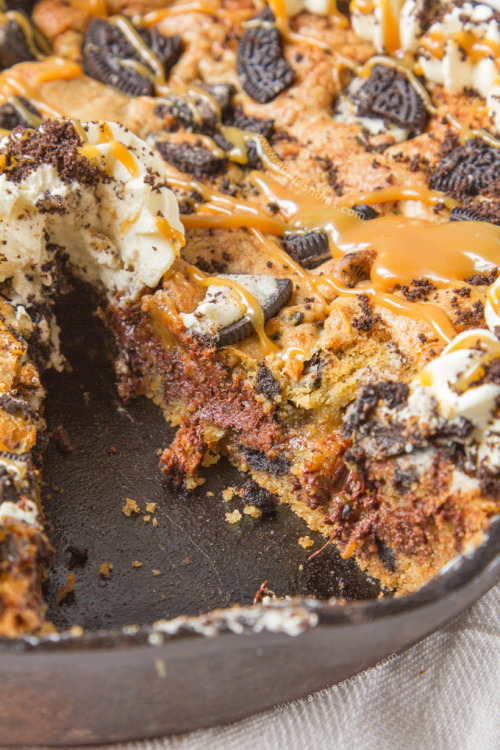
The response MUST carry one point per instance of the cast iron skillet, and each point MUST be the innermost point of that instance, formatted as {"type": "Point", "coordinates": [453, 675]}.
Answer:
{"type": "Point", "coordinates": [119, 682]}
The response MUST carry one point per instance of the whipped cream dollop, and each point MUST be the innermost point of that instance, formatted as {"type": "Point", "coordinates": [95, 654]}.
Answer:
{"type": "Point", "coordinates": [121, 230]}
{"type": "Point", "coordinates": [460, 49]}
{"type": "Point", "coordinates": [447, 389]}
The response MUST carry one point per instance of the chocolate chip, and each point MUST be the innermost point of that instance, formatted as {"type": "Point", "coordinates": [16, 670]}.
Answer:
{"type": "Point", "coordinates": [365, 212]}
{"type": "Point", "coordinates": [259, 497]}
{"type": "Point", "coordinates": [12, 115]}
{"type": "Point", "coordinates": [466, 170]}
{"type": "Point", "coordinates": [111, 58]}
{"type": "Point", "coordinates": [388, 95]}
{"type": "Point", "coordinates": [310, 249]}
{"type": "Point", "coordinates": [196, 160]}
{"type": "Point", "coordinates": [243, 328]}
{"type": "Point", "coordinates": [262, 69]}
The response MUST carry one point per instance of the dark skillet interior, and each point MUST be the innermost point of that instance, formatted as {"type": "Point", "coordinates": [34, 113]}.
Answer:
{"type": "Point", "coordinates": [204, 562]}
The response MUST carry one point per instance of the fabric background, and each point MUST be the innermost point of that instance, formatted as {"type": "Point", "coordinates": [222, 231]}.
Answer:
{"type": "Point", "coordinates": [443, 694]}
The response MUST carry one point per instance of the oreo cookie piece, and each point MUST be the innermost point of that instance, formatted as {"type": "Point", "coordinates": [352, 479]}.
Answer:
{"type": "Point", "coordinates": [109, 57]}
{"type": "Point", "coordinates": [310, 249]}
{"type": "Point", "coordinates": [26, 6]}
{"type": "Point", "coordinates": [466, 170]}
{"type": "Point", "coordinates": [19, 111]}
{"type": "Point", "coordinates": [207, 323]}
{"type": "Point", "coordinates": [482, 212]}
{"type": "Point", "coordinates": [196, 160]}
{"type": "Point", "coordinates": [259, 497]}
{"type": "Point", "coordinates": [388, 95]}
{"type": "Point", "coordinates": [253, 124]}
{"type": "Point", "coordinates": [262, 69]}
{"type": "Point", "coordinates": [365, 212]}
{"type": "Point", "coordinates": [195, 112]}
{"type": "Point", "coordinates": [14, 47]}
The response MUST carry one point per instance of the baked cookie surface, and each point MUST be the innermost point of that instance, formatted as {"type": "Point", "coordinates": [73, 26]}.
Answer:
{"type": "Point", "coordinates": [330, 324]}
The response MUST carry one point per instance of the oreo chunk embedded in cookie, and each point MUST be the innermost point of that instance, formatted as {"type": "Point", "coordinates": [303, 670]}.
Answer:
{"type": "Point", "coordinates": [198, 111]}
{"type": "Point", "coordinates": [466, 170]}
{"type": "Point", "coordinates": [310, 249]}
{"type": "Point", "coordinates": [484, 211]}
{"type": "Point", "coordinates": [15, 46]}
{"type": "Point", "coordinates": [196, 160]}
{"type": "Point", "coordinates": [365, 212]}
{"type": "Point", "coordinates": [19, 111]}
{"type": "Point", "coordinates": [218, 319]}
{"type": "Point", "coordinates": [262, 69]}
{"type": "Point", "coordinates": [388, 95]}
{"type": "Point", "coordinates": [114, 52]}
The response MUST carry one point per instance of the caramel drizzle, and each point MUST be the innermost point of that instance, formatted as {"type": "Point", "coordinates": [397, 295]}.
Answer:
{"type": "Point", "coordinates": [406, 248]}
{"type": "Point", "coordinates": [247, 303]}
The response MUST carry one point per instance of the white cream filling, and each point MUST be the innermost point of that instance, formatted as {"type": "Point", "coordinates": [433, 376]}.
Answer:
{"type": "Point", "coordinates": [27, 514]}
{"type": "Point", "coordinates": [109, 231]}
{"type": "Point", "coordinates": [219, 308]}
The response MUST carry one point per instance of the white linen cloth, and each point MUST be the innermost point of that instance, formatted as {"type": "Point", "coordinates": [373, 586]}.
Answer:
{"type": "Point", "coordinates": [442, 694]}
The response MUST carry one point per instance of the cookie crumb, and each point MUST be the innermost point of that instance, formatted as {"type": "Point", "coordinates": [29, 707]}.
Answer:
{"type": "Point", "coordinates": [146, 518]}
{"type": "Point", "coordinates": [305, 542]}
{"type": "Point", "coordinates": [106, 569]}
{"type": "Point", "coordinates": [130, 507]}
{"type": "Point", "coordinates": [136, 564]}
{"type": "Point", "coordinates": [251, 510]}
{"type": "Point", "coordinates": [150, 507]}
{"type": "Point", "coordinates": [67, 588]}
{"type": "Point", "coordinates": [233, 517]}
{"type": "Point", "coordinates": [228, 494]}
{"type": "Point", "coordinates": [156, 522]}
{"type": "Point", "coordinates": [156, 572]}
{"type": "Point", "coordinates": [191, 483]}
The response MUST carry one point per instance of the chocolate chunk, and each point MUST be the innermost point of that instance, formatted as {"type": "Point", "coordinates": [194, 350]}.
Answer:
{"type": "Point", "coordinates": [243, 328]}
{"type": "Point", "coordinates": [310, 249]}
{"type": "Point", "coordinates": [259, 497]}
{"type": "Point", "coordinates": [365, 212]}
{"type": "Point", "coordinates": [277, 466]}
{"type": "Point", "coordinates": [266, 384]}
{"type": "Point", "coordinates": [12, 114]}
{"type": "Point", "coordinates": [14, 47]}
{"type": "Point", "coordinates": [466, 170]}
{"type": "Point", "coordinates": [196, 160]}
{"type": "Point", "coordinates": [386, 554]}
{"type": "Point", "coordinates": [262, 69]}
{"type": "Point", "coordinates": [388, 95]}
{"type": "Point", "coordinates": [111, 58]}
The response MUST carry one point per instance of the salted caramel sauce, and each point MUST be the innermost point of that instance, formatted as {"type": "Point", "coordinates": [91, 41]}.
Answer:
{"type": "Point", "coordinates": [208, 7]}
{"type": "Point", "coordinates": [27, 115]}
{"type": "Point", "coordinates": [97, 8]}
{"type": "Point", "coordinates": [13, 84]}
{"type": "Point", "coordinates": [58, 69]}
